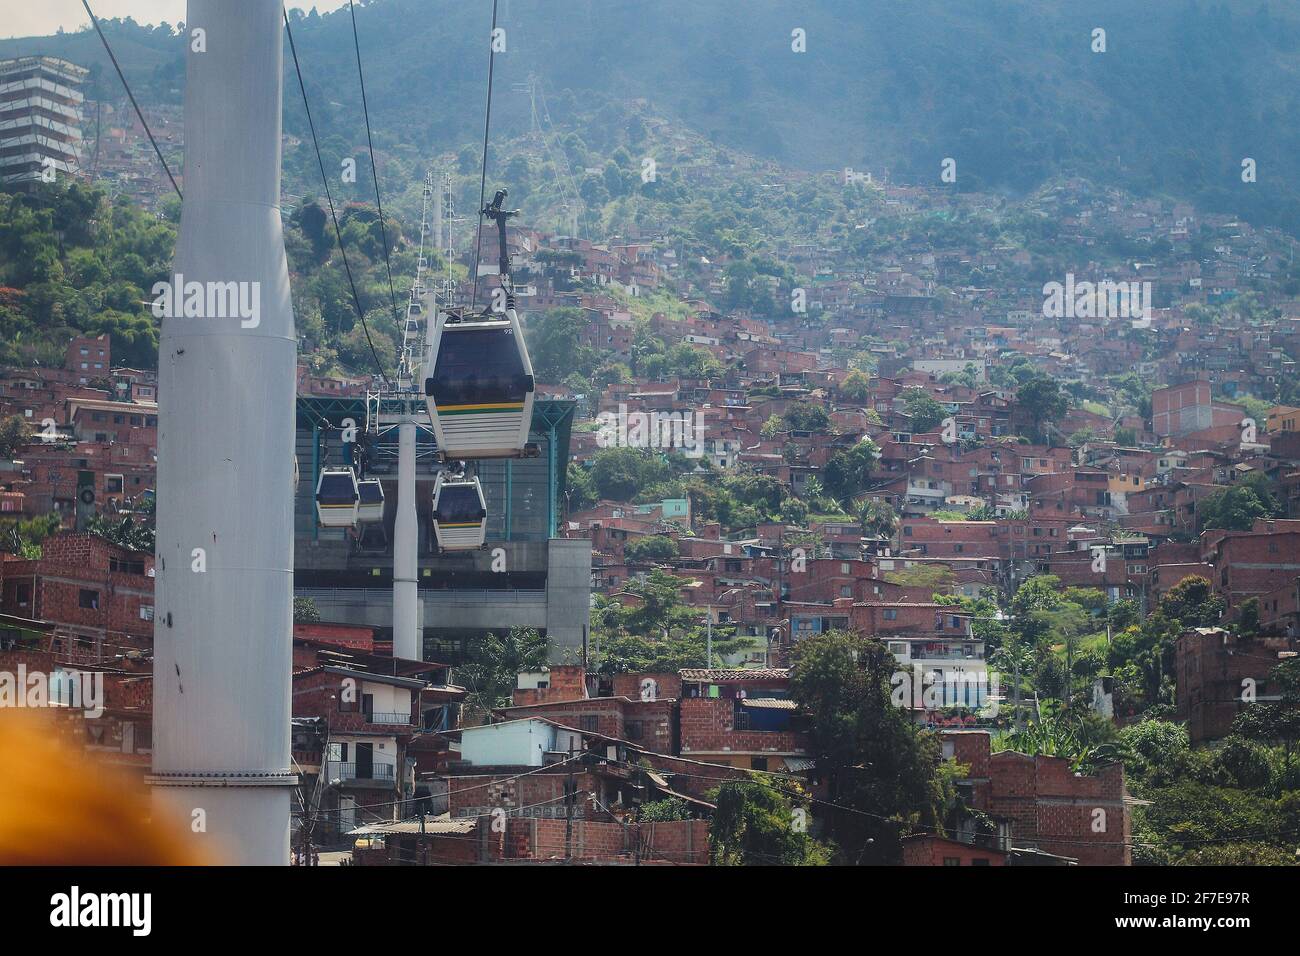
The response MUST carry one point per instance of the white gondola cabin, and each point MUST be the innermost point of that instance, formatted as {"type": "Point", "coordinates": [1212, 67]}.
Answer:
{"type": "Point", "coordinates": [480, 389]}
{"type": "Point", "coordinates": [459, 513]}
{"type": "Point", "coordinates": [337, 498]}
{"type": "Point", "coordinates": [370, 506]}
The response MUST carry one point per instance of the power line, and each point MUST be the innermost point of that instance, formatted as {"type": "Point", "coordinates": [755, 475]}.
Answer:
{"type": "Point", "coordinates": [131, 96]}
{"type": "Point", "coordinates": [356, 299]}
{"type": "Point", "coordinates": [487, 125]}
{"type": "Point", "coordinates": [374, 170]}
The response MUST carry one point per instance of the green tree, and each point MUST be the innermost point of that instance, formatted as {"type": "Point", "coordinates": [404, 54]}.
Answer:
{"type": "Point", "coordinates": [304, 611]}
{"type": "Point", "coordinates": [878, 519]}
{"type": "Point", "coordinates": [1276, 721]}
{"type": "Point", "coordinates": [806, 417]}
{"type": "Point", "coordinates": [14, 434]}
{"type": "Point", "coordinates": [554, 344]}
{"type": "Point", "coordinates": [620, 473]}
{"type": "Point", "coordinates": [1043, 401]}
{"type": "Point", "coordinates": [494, 663]}
{"type": "Point", "coordinates": [651, 549]}
{"type": "Point", "coordinates": [849, 472]}
{"type": "Point", "coordinates": [756, 825]}
{"type": "Point", "coordinates": [855, 388]}
{"type": "Point", "coordinates": [665, 810]}
{"type": "Point", "coordinates": [1233, 509]}
{"type": "Point", "coordinates": [126, 532]}
{"type": "Point", "coordinates": [925, 411]}
{"type": "Point", "coordinates": [23, 536]}
{"type": "Point", "coordinates": [881, 772]}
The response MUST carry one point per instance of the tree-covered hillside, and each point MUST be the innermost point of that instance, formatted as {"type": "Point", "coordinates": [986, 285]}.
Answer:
{"type": "Point", "coordinates": [1010, 89]}
{"type": "Point", "coordinates": [72, 262]}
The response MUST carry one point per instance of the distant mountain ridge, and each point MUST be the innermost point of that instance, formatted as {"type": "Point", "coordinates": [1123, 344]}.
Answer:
{"type": "Point", "coordinates": [1009, 89]}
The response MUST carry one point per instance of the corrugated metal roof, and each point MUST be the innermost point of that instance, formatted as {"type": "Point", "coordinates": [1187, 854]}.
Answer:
{"type": "Point", "coordinates": [439, 825]}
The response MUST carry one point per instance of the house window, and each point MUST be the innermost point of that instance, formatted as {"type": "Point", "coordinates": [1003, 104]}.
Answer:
{"type": "Point", "coordinates": [146, 612]}
{"type": "Point", "coordinates": [589, 723]}
{"type": "Point", "coordinates": [88, 599]}
{"type": "Point", "coordinates": [951, 861]}
{"type": "Point", "coordinates": [633, 730]}
{"type": "Point", "coordinates": [891, 614]}
{"type": "Point", "coordinates": [757, 763]}
{"type": "Point", "coordinates": [112, 484]}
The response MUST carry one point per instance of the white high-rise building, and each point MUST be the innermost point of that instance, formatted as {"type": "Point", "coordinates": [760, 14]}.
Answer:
{"type": "Point", "coordinates": [40, 118]}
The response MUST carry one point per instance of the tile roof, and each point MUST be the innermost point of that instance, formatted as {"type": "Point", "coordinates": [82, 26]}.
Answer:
{"type": "Point", "coordinates": [724, 675]}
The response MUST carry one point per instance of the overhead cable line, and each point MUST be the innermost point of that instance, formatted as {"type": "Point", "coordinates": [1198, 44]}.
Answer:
{"type": "Point", "coordinates": [487, 125]}
{"type": "Point", "coordinates": [131, 96]}
{"type": "Point", "coordinates": [356, 299]}
{"type": "Point", "coordinates": [374, 170]}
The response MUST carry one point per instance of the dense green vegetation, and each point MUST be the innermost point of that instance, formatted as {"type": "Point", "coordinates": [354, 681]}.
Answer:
{"type": "Point", "coordinates": [74, 263]}
{"type": "Point", "coordinates": [883, 774]}
{"type": "Point", "coordinates": [648, 629]}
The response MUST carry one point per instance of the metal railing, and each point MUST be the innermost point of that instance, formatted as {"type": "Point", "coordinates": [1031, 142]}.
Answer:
{"type": "Point", "coordinates": [389, 718]}
{"type": "Point", "coordinates": [364, 596]}
{"type": "Point", "coordinates": [338, 770]}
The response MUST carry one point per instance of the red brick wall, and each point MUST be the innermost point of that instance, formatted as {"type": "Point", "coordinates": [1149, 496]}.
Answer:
{"type": "Point", "coordinates": [669, 686]}
{"type": "Point", "coordinates": [337, 635]}
{"type": "Point", "coordinates": [613, 715]}
{"type": "Point", "coordinates": [71, 563]}
{"type": "Point", "coordinates": [1209, 670]}
{"type": "Point", "coordinates": [317, 695]}
{"type": "Point", "coordinates": [566, 682]}
{"type": "Point", "coordinates": [470, 795]}
{"type": "Point", "coordinates": [932, 851]}
{"type": "Point", "coordinates": [707, 727]}
{"type": "Point", "coordinates": [677, 842]}
{"type": "Point", "coordinates": [1061, 812]}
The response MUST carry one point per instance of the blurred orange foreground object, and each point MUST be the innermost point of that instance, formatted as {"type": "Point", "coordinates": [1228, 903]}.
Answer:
{"type": "Point", "coordinates": [60, 806]}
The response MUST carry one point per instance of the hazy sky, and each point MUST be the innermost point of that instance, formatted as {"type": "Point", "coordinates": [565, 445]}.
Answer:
{"type": "Point", "coordinates": [22, 18]}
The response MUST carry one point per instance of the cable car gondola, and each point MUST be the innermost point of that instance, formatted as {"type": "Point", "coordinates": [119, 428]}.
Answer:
{"type": "Point", "coordinates": [370, 506]}
{"type": "Point", "coordinates": [480, 387]}
{"type": "Point", "coordinates": [337, 498]}
{"type": "Point", "coordinates": [459, 513]}
{"type": "Point", "coordinates": [480, 395]}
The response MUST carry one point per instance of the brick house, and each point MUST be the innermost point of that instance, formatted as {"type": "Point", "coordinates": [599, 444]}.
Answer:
{"type": "Point", "coordinates": [1049, 807]}
{"type": "Point", "coordinates": [1216, 674]}
{"type": "Point", "coordinates": [100, 595]}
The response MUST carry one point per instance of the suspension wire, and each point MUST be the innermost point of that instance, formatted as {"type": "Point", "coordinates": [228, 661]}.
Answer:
{"type": "Point", "coordinates": [131, 96]}
{"type": "Point", "coordinates": [482, 183]}
{"type": "Point", "coordinates": [356, 299]}
{"type": "Point", "coordinates": [374, 170]}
